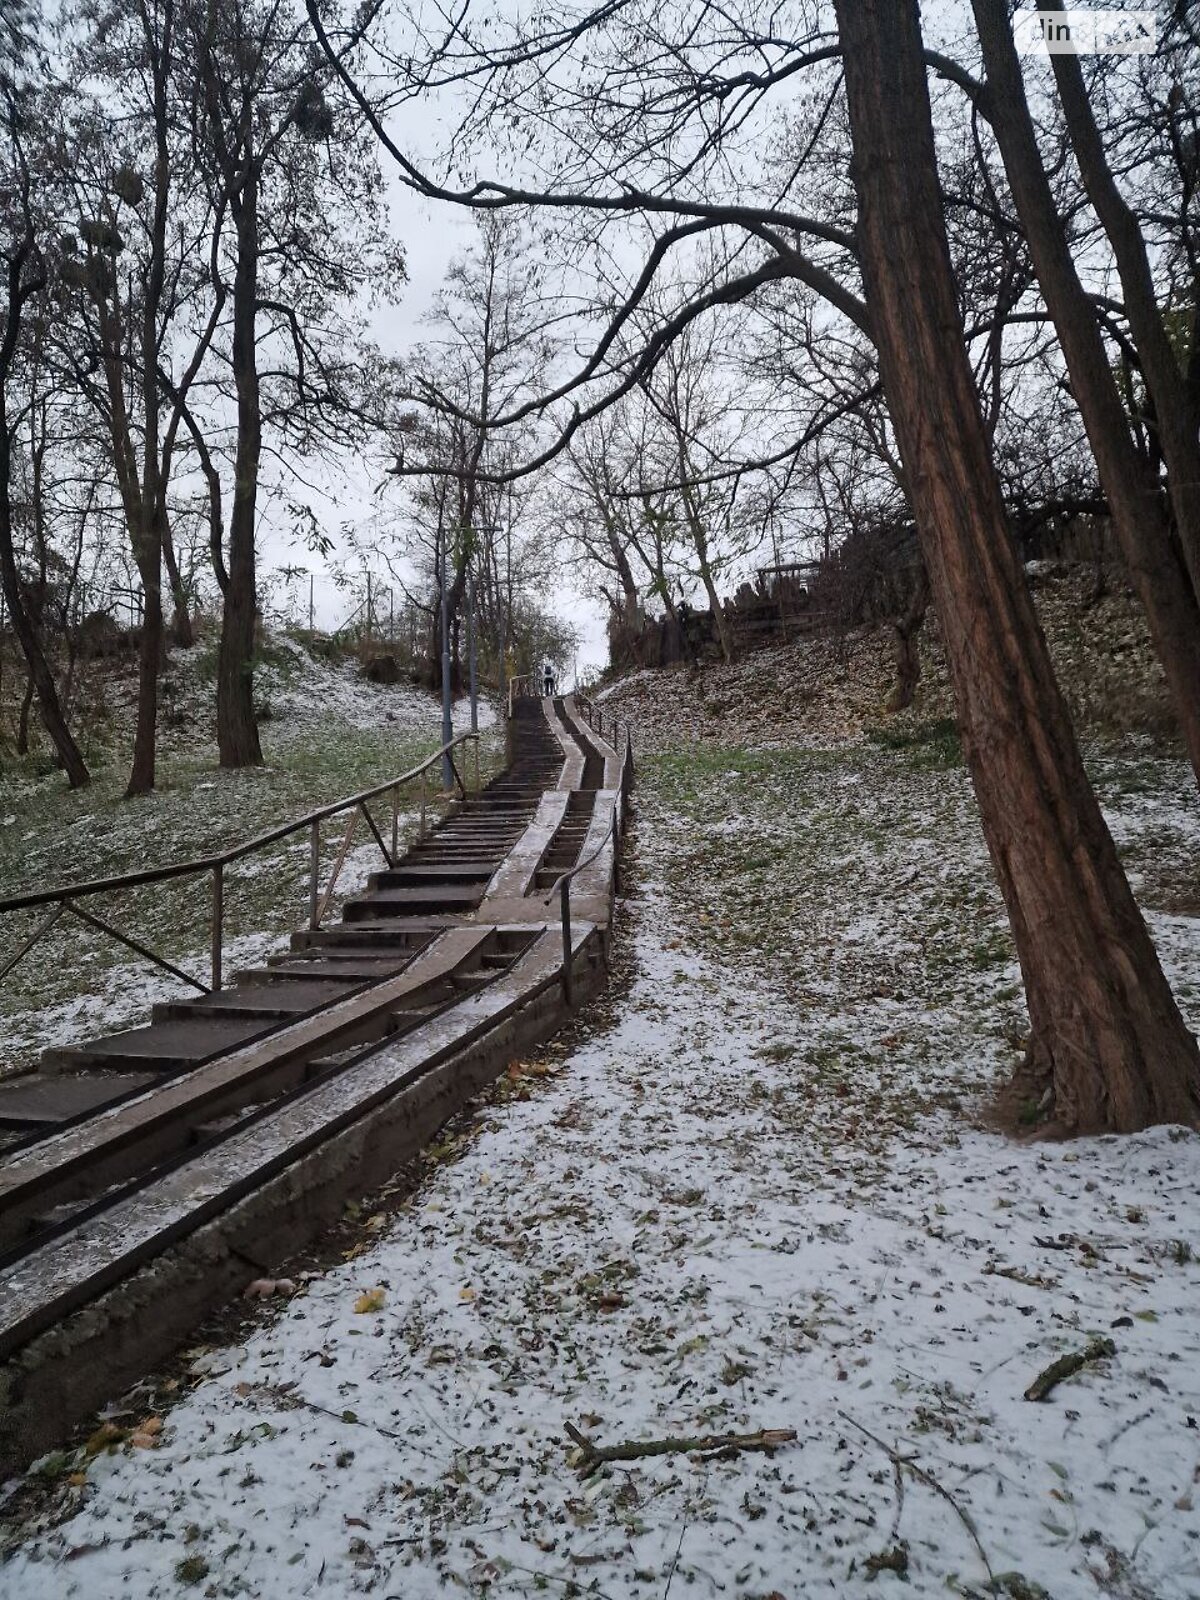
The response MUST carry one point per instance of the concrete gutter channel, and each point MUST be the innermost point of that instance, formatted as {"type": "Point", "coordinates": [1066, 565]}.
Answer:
{"type": "Point", "coordinates": [107, 1298]}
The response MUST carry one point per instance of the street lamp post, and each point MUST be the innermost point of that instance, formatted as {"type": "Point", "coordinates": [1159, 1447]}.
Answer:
{"type": "Point", "coordinates": [471, 653]}
{"type": "Point", "coordinates": [447, 715]}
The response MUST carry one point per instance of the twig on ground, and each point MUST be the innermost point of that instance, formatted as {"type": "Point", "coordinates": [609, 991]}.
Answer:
{"type": "Point", "coordinates": [928, 1479]}
{"type": "Point", "coordinates": [1066, 1366]}
{"type": "Point", "coordinates": [595, 1455]}
{"type": "Point", "coordinates": [1131, 1422]}
{"type": "Point", "coordinates": [687, 1506]}
{"type": "Point", "coordinates": [899, 1475]}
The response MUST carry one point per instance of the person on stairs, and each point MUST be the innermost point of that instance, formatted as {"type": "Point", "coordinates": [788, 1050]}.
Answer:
{"type": "Point", "coordinates": [547, 680]}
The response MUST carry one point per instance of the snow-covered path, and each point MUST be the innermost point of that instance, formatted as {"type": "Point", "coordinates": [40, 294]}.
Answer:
{"type": "Point", "coordinates": [682, 1227]}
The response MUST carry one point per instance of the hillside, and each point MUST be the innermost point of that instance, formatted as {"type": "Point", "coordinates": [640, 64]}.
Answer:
{"type": "Point", "coordinates": [829, 690]}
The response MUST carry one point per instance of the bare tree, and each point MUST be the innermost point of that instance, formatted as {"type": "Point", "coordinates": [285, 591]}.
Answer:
{"type": "Point", "coordinates": [23, 260]}
{"type": "Point", "coordinates": [1108, 1045]}
{"type": "Point", "coordinates": [298, 199]}
{"type": "Point", "coordinates": [1109, 1049]}
{"type": "Point", "coordinates": [1130, 483]}
{"type": "Point", "coordinates": [1176, 416]}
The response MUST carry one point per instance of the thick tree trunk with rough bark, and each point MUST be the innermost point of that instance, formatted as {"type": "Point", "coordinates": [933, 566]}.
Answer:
{"type": "Point", "coordinates": [1130, 484]}
{"type": "Point", "coordinates": [1175, 418]}
{"type": "Point", "coordinates": [237, 731]}
{"type": "Point", "coordinates": [1107, 1040]}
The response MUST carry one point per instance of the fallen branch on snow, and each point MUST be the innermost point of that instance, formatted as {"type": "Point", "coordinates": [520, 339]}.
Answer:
{"type": "Point", "coordinates": [595, 1455]}
{"type": "Point", "coordinates": [927, 1478]}
{"type": "Point", "coordinates": [1067, 1366]}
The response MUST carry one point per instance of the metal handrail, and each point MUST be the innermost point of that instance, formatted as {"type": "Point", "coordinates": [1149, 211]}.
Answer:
{"type": "Point", "coordinates": [594, 717]}
{"type": "Point", "coordinates": [513, 696]}
{"type": "Point", "coordinates": [562, 886]}
{"type": "Point", "coordinates": [181, 869]}
{"type": "Point", "coordinates": [63, 897]}
{"type": "Point", "coordinates": [564, 879]}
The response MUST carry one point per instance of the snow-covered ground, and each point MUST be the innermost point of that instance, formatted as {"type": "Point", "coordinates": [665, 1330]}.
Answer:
{"type": "Point", "coordinates": [752, 1193]}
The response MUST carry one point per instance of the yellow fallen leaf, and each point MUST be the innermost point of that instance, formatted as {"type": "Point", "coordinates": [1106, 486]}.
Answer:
{"type": "Point", "coordinates": [370, 1300]}
{"type": "Point", "coordinates": [466, 1294]}
{"type": "Point", "coordinates": [105, 1436]}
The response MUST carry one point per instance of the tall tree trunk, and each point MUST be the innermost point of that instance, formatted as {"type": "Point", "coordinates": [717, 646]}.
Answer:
{"type": "Point", "coordinates": [720, 620]}
{"type": "Point", "coordinates": [906, 629]}
{"type": "Point", "coordinates": [138, 499]}
{"type": "Point", "coordinates": [237, 731]}
{"type": "Point", "coordinates": [148, 551]}
{"type": "Point", "coordinates": [23, 717]}
{"type": "Point", "coordinates": [1106, 1037]}
{"type": "Point", "coordinates": [49, 705]}
{"type": "Point", "coordinates": [1175, 417]}
{"type": "Point", "coordinates": [1130, 485]}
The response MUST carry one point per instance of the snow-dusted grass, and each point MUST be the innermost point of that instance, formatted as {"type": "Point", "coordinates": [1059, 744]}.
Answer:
{"type": "Point", "coordinates": [753, 1194]}
{"type": "Point", "coordinates": [329, 734]}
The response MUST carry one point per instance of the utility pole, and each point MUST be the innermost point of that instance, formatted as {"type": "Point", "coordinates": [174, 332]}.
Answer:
{"type": "Point", "coordinates": [471, 649]}
{"type": "Point", "coordinates": [310, 604]}
{"type": "Point", "coordinates": [447, 718]}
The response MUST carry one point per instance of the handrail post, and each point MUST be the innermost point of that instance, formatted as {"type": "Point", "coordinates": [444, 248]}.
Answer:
{"type": "Point", "coordinates": [421, 835]}
{"type": "Point", "coordinates": [314, 871]}
{"type": "Point", "coordinates": [218, 923]}
{"type": "Point", "coordinates": [478, 784]}
{"type": "Point", "coordinates": [617, 844]}
{"type": "Point", "coordinates": [567, 976]}
{"type": "Point", "coordinates": [395, 822]}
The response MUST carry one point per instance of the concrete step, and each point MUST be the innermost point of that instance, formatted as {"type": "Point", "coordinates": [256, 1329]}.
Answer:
{"type": "Point", "coordinates": [38, 1099]}
{"type": "Point", "coordinates": [334, 967]}
{"type": "Point", "coordinates": [421, 873]}
{"type": "Point", "coordinates": [397, 934]}
{"type": "Point", "coordinates": [267, 999]}
{"type": "Point", "coordinates": [162, 1047]}
{"type": "Point", "coordinates": [400, 902]}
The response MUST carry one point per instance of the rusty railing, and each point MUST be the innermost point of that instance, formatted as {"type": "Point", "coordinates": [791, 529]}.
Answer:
{"type": "Point", "coordinates": [63, 900]}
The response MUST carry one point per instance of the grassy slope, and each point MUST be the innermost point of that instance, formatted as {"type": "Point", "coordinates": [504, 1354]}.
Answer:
{"type": "Point", "coordinates": [328, 735]}
{"type": "Point", "coordinates": [856, 880]}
